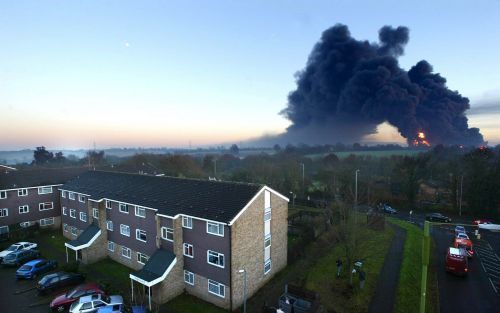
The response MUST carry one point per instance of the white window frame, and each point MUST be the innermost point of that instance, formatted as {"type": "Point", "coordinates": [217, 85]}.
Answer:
{"type": "Point", "coordinates": [95, 213]}
{"type": "Point", "coordinates": [3, 194]}
{"type": "Point", "coordinates": [142, 257]}
{"type": "Point", "coordinates": [83, 216]}
{"type": "Point", "coordinates": [108, 204]}
{"type": "Point", "coordinates": [266, 238]}
{"type": "Point", "coordinates": [63, 194]}
{"type": "Point", "coordinates": [25, 224]}
{"type": "Point", "coordinates": [23, 209]}
{"type": "Point", "coordinates": [138, 233]}
{"type": "Point", "coordinates": [190, 277]}
{"type": "Point", "coordinates": [127, 255]}
{"type": "Point", "coordinates": [65, 227]}
{"type": "Point", "coordinates": [140, 209]}
{"type": "Point", "coordinates": [187, 222]}
{"type": "Point", "coordinates": [268, 263]}
{"type": "Point", "coordinates": [120, 205]}
{"type": "Point", "coordinates": [64, 210]}
{"type": "Point", "coordinates": [72, 213]}
{"type": "Point", "coordinates": [4, 212]}
{"type": "Point", "coordinates": [218, 256]}
{"type": "Point", "coordinates": [267, 214]}
{"type": "Point", "coordinates": [47, 221]}
{"type": "Point", "coordinates": [187, 245]}
{"type": "Point", "coordinates": [111, 246]}
{"type": "Point", "coordinates": [41, 206]}
{"type": "Point", "coordinates": [109, 225]}
{"type": "Point", "coordinates": [44, 190]}
{"type": "Point", "coordinates": [23, 192]}
{"type": "Point", "coordinates": [71, 195]}
{"type": "Point", "coordinates": [219, 286]}
{"type": "Point", "coordinates": [164, 233]}
{"type": "Point", "coordinates": [122, 228]}
{"type": "Point", "coordinates": [220, 229]}
{"type": "Point", "coordinates": [73, 228]}
{"type": "Point", "coordinates": [81, 198]}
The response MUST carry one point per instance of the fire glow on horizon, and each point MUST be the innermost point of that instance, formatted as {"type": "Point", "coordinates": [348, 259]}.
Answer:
{"type": "Point", "coordinates": [421, 140]}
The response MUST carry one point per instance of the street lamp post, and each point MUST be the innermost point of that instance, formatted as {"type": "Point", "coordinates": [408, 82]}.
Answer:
{"type": "Point", "coordinates": [244, 272]}
{"type": "Point", "coordinates": [461, 191]}
{"type": "Point", "coordinates": [303, 170]}
{"type": "Point", "coordinates": [293, 199]}
{"type": "Point", "coordinates": [356, 191]}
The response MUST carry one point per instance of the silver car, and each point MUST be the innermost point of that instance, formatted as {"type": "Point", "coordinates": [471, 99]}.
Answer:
{"type": "Point", "coordinates": [92, 303]}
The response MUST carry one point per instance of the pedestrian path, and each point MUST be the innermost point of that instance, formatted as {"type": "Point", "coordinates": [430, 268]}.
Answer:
{"type": "Point", "coordinates": [385, 292]}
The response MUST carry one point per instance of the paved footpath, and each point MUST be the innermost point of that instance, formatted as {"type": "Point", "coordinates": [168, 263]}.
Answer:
{"type": "Point", "coordinates": [383, 300]}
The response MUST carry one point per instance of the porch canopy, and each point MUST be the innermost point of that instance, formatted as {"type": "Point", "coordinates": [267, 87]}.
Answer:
{"type": "Point", "coordinates": [86, 238]}
{"type": "Point", "coordinates": [154, 271]}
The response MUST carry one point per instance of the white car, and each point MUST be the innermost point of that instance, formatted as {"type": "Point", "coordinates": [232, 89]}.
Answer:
{"type": "Point", "coordinates": [17, 247]}
{"type": "Point", "coordinates": [94, 302]}
{"type": "Point", "coordinates": [490, 226]}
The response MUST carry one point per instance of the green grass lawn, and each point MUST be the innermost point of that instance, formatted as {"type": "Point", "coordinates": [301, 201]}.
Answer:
{"type": "Point", "coordinates": [408, 290]}
{"type": "Point", "coordinates": [336, 293]}
{"type": "Point", "coordinates": [189, 304]}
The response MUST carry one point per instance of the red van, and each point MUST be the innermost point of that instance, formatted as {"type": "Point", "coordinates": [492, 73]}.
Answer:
{"type": "Point", "coordinates": [456, 261]}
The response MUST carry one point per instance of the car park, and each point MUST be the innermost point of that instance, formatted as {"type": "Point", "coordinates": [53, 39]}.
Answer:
{"type": "Point", "coordinates": [459, 229]}
{"type": "Point", "coordinates": [94, 302]}
{"type": "Point", "coordinates": [63, 301]}
{"type": "Point", "coordinates": [58, 280]}
{"type": "Point", "coordinates": [437, 217]}
{"type": "Point", "coordinates": [34, 268]}
{"type": "Point", "coordinates": [17, 247]}
{"type": "Point", "coordinates": [19, 257]}
{"type": "Point", "coordinates": [456, 261]}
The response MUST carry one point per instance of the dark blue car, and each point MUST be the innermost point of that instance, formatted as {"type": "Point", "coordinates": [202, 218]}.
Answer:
{"type": "Point", "coordinates": [34, 268]}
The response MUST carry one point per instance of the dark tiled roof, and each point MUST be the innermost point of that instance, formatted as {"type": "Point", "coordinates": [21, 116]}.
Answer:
{"type": "Point", "coordinates": [214, 200]}
{"type": "Point", "coordinates": [38, 177]}
{"type": "Point", "coordinates": [85, 236]}
{"type": "Point", "coordinates": [156, 266]}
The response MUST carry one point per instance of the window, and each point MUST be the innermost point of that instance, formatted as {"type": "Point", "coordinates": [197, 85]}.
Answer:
{"type": "Point", "coordinates": [215, 229]}
{"type": "Point", "coordinates": [126, 252]}
{"type": "Point", "coordinates": [74, 231]}
{"type": "Point", "coordinates": [123, 208]}
{"type": "Point", "coordinates": [108, 204]}
{"type": "Point", "coordinates": [109, 225]}
{"type": "Point", "coordinates": [188, 250]}
{"type": "Point", "coordinates": [83, 216]}
{"type": "Point", "coordinates": [22, 192]}
{"type": "Point", "coordinates": [111, 246]}
{"type": "Point", "coordinates": [3, 194]}
{"type": "Point", "coordinates": [267, 266]}
{"type": "Point", "coordinates": [140, 235]}
{"type": "Point", "coordinates": [267, 247]}
{"type": "Point", "coordinates": [4, 212]}
{"type": "Point", "coordinates": [167, 233]}
{"type": "Point", "coordinates": [25, 224]}
{"type": "Point", "coordinates": [45, 206]}
{"type": "Point", "coordinates": [142, 258]}
{"type": "Point", "coordinates": [44, 190]}
{"type": "Point", "coordinates": [4, 230]}
{"type": "Point", "coordinates": [140, 211]}
{"type": "Point", "coordinates": [267, 199]}
{"type": "Point", "coordinates": [72, 213]}
{"type": "Point", "coordinates": [71, 195]}
{"type": "Point", "coordinates": [267, 214]}
{"type": "Point", "coordinates": [187, 222]}
{"type": "Point", "coordinates": [95, 213]}
{"type": "Point", "coordinates": [267, 221]}
{"type": "Point", "coordinates": [267, 241]}
{"type": "Point", "coordinates": [65, 227]}
{"type": "Point", "coordinates": [125, 230]}
{"type": "Point", "coordinates": [216, 288]}
{"type": "Point", "coordinates": [188, 277]}
{"type": "Point", "coordinates": [63, 194]}
{"type": "Point", "coordinates": [215, 258]}
{"type": "Point", "coordinates": [24, 209]}
{"type": "Point", "coordinates": [64, 210]}
{"type": "Point", "coordinates": [47, 221]}
{"type": "Point", "coordinates": [81, 198]}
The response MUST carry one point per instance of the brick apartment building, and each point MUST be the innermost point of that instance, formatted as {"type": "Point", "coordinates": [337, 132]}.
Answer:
{"type": "Point", "coordinates": [178, 234]}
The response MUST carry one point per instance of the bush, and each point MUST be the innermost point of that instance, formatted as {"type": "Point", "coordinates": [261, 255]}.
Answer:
{"type": "Point", "coordinates": [71, 267]}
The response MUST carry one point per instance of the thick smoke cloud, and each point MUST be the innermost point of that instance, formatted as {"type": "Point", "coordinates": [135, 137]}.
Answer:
{"type": "Point", "coordinates": [349, 87]}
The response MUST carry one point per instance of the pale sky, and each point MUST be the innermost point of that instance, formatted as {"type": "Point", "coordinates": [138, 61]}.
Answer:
{"type": "Point", "coordinates": [166, 73]}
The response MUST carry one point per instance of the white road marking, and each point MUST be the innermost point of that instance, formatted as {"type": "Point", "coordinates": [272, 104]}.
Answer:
{"type": "Point", "coordinates": [493, 285]}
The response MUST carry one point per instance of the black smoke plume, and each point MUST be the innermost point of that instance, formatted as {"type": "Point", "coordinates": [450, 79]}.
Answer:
{"type": "Point", "coordinates": [350, 86]}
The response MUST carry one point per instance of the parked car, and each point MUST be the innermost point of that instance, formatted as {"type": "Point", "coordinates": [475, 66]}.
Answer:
{"type": "Point", "coordinates": [63, 301]}
{"type": "Point", "coordinates": [94, 302]}
{"type": "Point", "coordinates": [388, 209]}
{"type": "Point", "coordinates": [491, 227]}
{"type": "Point", "coordinates": [456, 261]}
{"type": "Point", "coordinates": [459, 229]}
{"type": "Point", "coordinates": [58, 280]}
{"type": "Point", "coordinates": [17, 247]}
{"type": "Point", "coordinates": [19, 257]}
{"type": "Point", "coordinates": [462, 236]}
{"type": "Point", "coordinates": [437, 217]}
{"type": "Point", "coordinates": [116, 308]}
{"type": "Point", "coordinates": [34, 268]}
{"type": "Point", "coordinates": [466, 244]}
{"type": "Point", "coordinates": [482, 221]}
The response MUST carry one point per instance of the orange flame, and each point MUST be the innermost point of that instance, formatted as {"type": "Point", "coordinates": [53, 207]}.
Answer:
{"type": "Point", "coordinates": [420, 140]}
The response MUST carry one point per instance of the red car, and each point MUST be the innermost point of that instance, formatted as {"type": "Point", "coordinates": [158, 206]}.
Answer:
{"type": "Point", "coordinates": [456, 261]}
{"type": "Point", "coordinates": [63, 301]}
